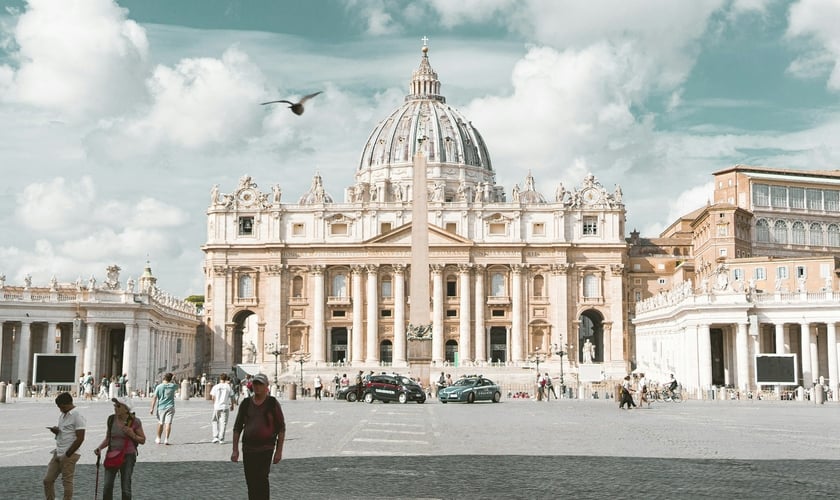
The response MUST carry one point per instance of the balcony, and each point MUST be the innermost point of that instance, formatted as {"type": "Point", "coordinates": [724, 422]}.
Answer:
{"type": "Point", "coordinates": [498, 300]}
{"type": "Point", "coordinates": [338, 300]}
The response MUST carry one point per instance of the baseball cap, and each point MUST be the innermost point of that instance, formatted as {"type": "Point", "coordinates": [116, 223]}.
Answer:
{"type": "Point", "coordinates": [125, 402]}
{"type": "Point", "coordinates": [260, 378]}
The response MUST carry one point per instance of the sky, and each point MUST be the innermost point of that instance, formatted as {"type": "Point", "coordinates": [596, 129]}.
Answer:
{"type": "Point", "coordinates": [118, 117]}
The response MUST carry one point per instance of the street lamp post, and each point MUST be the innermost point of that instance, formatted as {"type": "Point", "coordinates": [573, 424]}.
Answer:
{"type": "Point", "coordinates": [276, 350]}
{"type": "Point", "coordinates": [561, 350]}
{"type": "Point", "coordinates": [301, 358]}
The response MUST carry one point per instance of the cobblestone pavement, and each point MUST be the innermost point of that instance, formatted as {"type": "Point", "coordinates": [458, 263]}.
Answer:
{"type": "Point", "coordinates": [516, 449]}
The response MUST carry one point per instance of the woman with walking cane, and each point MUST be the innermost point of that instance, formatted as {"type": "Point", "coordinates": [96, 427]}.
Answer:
{"type": "Point", "coordinates": [124, 433]}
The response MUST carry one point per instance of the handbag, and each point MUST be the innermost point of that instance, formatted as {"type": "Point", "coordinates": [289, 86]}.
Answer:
{"type": "Point", "coordinates": [115, 459]}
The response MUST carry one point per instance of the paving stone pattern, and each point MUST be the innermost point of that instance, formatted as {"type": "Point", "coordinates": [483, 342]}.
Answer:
{"type": "Point", "coordinates": [516, 449]}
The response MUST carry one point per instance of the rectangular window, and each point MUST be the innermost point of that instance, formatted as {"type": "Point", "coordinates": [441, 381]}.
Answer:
{"type": "Point", "coordinates": [723, 230]}
{"type": "Point", "coordinates": [451, 288]}
{"type": "Point", "coordinates": [722, 252]}
{"type": "Point", "coordinates": [637, 281]}
{"type": "Point", "coordinates": [298, 229]}
{"type": "Point", "coordinates": [760, 274]}
{"type": "Point", "coordinates": [386, 289]}
{"type": "Point", "coordinates": [339, 314]}
{"type": "Point", "coordinates": [637, 267]}
{"type": "Point", "coordinates": [246, 226]}
{"type": "Point", "coordinates": [497, 313]}
{"type": "Point", "coordinates": [832, 201]}
{"type": "Point", "coordinates": [590, 225]}
{"type": "Point", "coordinates": [778, 196]}
{"type": "Point", "coordinates": [385, 313]}
{"type": "Point", "coordinates": [800, 272]}
{"type": "Point", "coordinates": [797, 197]}
{"type": "Point", "coordinates": [538, 229]}
{"type": "Point", "coordinates": [177, 351]}
{"type": "Point", "coordinates": [339, 229]}
{"type": "Point", "coordinates": [814, 199]}
{"type": "Point", "coordinates": [498, 228]}
{"type": "Point", "coordinates": [781, 273]}
{"type": "Point", "coordinates": [637, 295]}
{"type": "Point", "coordinates": [451, 313]}
{"type": "Point", "coordinates": [662, 281]}
{"type": "Point", "coordinates": [384, 227]}
{"type": "Point", "coordinates": [761, 195]}
{"type": "Point", "coordinates": [451, 227]}
{"type": "Point", "coordinates": [738, 274]}
{"type": "Point", "coordinates": [825, 271]}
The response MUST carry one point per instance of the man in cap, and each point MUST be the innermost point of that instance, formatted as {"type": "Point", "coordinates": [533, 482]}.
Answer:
{"type": "Point", "coordinates": [262, 426]}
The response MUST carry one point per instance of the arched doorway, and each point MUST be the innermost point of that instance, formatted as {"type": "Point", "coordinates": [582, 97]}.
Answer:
{"type": "Point", "coordinates": [498, 344]}
{"type": "Point", "coordinates": [243, 343]}
{"type": "Point", "coordinates": [338, 346]}
{"type": "Point", "coordinates": [451, 353]}
{"type": "Point", "coordinates": [591, 329]}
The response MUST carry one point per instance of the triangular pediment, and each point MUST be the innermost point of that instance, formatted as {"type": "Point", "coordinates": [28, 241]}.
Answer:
{"type": "Point", "coordinates": [402, 236]}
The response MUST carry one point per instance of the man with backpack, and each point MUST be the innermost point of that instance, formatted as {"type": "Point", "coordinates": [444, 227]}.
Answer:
{"type": "Point", "coordinates": [261, 425]}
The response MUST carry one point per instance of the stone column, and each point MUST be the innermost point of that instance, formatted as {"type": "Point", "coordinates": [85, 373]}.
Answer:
{"type": "Point", "coordinates": [372, 341]}
{"type": "Point", "coordinates": [559, 274]}
{"type": "Point", "coordinates": [24, 351]}
{"type": "Point", "coordinates": [49, 339]}
{"type": "Point", "coordinates": [742, 356]}
{"type": "Point", "coordinates": [480, 307]}
{"type": "Point", "coordinates": [399, 315]}
{"type": "Point", "coordinates": [516, 320]}
{"type": "Point", "coordinates": [357, 332]}
{"type": "Point", "coordinates": [90, 348]}
{"type": "Point", "coordinates": [831, 343]}
{"type": "Point", "coordinates": [319, 333]}
{"type": "Point", "coordinates": [815, 357]}
{"type": "Point", "coordinates": [780, 338]}
{"type": "Point", "coordinates": [464, 347]}
{"type": "Point", "coordinates": [704, 356]}
{"type": "Point", "coordinates": [438, 354]}
{"type": "Point", "coordinates": [805, 352]}
{"type": "Point", "coordinates": [129, 346]}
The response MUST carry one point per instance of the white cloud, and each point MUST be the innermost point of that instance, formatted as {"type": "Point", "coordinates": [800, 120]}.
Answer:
{"type": "Point", "coordinates": [78, 57]}
{"type": "Point", "coordinates": [817, 19]}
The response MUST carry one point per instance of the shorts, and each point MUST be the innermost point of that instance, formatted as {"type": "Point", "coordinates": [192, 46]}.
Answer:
{"type": "Point", "coordinates": [166, 416]}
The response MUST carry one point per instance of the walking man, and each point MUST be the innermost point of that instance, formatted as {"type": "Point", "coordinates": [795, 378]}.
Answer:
{"type": "Point", "coordinates": [549, 388]}
{"type": "Point", "coordinates": [163, 403]}
{"type": "Point", "coordinates": [222, 394]}
{"type": "Point", "coordinates": [262, 426]}
{"type": "Point", "coordinates": [69, 436]}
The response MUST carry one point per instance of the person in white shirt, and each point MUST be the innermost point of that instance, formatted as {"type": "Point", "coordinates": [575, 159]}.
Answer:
{"type": "Point", "coordinates": [642, 387]}
{"type": "Point", "coordinates": [69, 436]}
{"type": "Point", "coordinates": [222, 394]}
{"type": "Point", "coordinates": [317, 386]}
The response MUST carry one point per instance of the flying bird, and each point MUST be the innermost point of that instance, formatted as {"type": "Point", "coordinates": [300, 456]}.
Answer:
{"type": "Point", "coordinates": [296, 107]}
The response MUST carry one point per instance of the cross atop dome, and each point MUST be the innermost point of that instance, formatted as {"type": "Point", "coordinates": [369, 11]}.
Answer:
{"type": "Point", "coordinates": [424, 81]}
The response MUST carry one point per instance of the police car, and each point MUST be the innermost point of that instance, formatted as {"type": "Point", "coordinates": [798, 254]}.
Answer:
{"type": "Point", "coordinates": [387, 388]}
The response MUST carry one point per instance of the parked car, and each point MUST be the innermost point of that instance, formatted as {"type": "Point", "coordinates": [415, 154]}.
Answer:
{"type": "Point", "coordinates": [471, 389]}
{"type": "Point", "coordinates": [349, 393]}
{"type": "Point", "coordinates": [387, 388]}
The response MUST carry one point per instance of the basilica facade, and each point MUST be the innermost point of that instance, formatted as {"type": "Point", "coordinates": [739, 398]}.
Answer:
{"type": "Point", "coordinates": [514, 276]}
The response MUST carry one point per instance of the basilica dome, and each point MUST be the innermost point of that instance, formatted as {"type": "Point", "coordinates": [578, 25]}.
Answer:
{"type": "Point", "coordinates": [456, 154]}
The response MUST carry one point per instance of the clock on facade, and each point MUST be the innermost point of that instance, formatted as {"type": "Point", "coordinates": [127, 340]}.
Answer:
{"type": "Point", "coordinates": [591, 196]}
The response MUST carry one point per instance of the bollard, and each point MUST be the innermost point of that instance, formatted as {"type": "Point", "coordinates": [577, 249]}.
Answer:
{"type": "Point", "coordinates": [292, 391]}
{"type": "Point", "coordinates": [721, 395]}
{"type": "Point", "coordinates": [185, 390]}
{"type": "Point", "coordinates": [2, 392]}
{"type": "Point", "coordinates": [207, 388]}
{"type": "Point", "coordinates": [23, 390]}
{"type": "Point", "coordinates": [819, 394]}
{"type": "Point", "coordinates": [800, 393]}
{"type": "Point", "coordinates": [10, 393]}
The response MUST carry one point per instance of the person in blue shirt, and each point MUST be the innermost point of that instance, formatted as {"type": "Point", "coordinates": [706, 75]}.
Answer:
{"type": "Point", "coordinates": [163, 405]}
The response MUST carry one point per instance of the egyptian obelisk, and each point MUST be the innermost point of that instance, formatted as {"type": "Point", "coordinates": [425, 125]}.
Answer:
{"type": "Point", "coordinates": [419, 282]}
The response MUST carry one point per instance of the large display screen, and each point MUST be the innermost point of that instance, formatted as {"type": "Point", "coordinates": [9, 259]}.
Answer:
{"type": "Point", "coordinates": [775, 369]}
{"type": "Point", "coordinates": [55, 369]}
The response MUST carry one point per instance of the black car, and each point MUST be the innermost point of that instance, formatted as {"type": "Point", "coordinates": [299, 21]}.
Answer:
{"type": "Point", "coordinates": [388, 388]}
{"type": "Point", "coordinates": [349, 393]}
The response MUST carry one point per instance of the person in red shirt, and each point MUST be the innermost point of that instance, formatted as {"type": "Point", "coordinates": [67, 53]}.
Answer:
{"type": "Point", "coordinates": [261, 425]}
